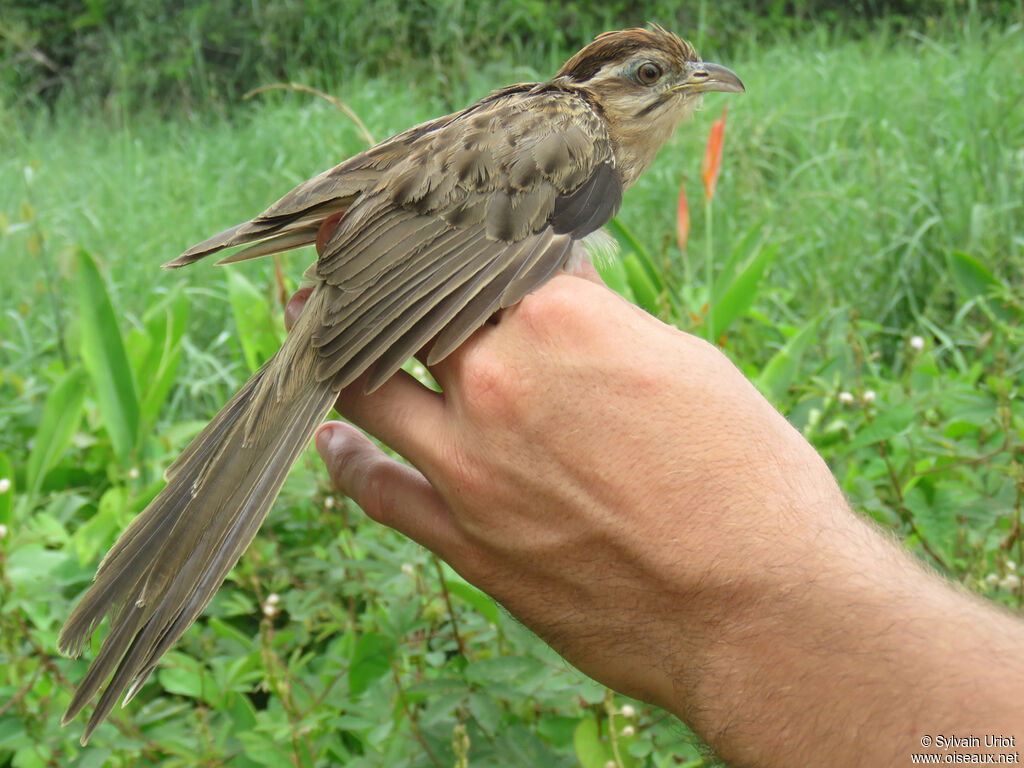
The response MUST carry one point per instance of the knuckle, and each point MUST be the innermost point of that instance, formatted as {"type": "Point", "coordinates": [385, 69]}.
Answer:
{"type": "Point", "coordinates": [555, 305]}
{"type": "Point", "coordinates": [490, 385]}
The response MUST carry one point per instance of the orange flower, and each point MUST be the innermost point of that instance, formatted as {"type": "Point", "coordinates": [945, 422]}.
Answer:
{"type": "Point", "coordinates": [682, 217]}
{"type": "Point", "coordinates": [713, 156]}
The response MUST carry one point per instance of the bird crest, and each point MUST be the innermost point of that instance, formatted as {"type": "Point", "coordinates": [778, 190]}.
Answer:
{"type": "Point", "coordinates": [620, 44]}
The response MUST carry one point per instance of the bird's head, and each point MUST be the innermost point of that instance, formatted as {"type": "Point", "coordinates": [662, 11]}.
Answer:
{"type": "Point", "coordinates": [646, 81]}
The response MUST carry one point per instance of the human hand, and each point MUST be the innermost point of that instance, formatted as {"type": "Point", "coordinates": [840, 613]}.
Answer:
{"type": "Point", "coordinates": [613, 482]}
{"type": "Point", "coordinates": [626, 493]}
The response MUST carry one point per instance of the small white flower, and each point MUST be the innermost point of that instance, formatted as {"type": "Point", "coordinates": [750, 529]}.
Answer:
{"type": "Point", "coordinates": [916, 343]}
{"type": "Point", "coordinates": [1010, 583]}
{"type": "Point", "coordinates": [845, 398]}
{"type": "Point", "coordinates": [270, 611]}
{"type": "Point", "coordinates": [628, 710]}
{"type": "Point", "coordinates": [408, 569]}
{"type": "Point", "coordinates": [273, 598]}
{"type": "Point", "coordinates": [628, 731]}
{"type": "Point", "coordinates": [992, 580]}
{"type": "Point", "coordinates": [869, 396]}
{"type": "Point", "coordinates": [1010, 565]}
{"type": "Point", "coordinates": [5, 484]}
{"type": "Point", "coordinates": [3, 531]}
{"type": "Point", "coordinates": [133, 473]}
{"type": "Point", "coordinates": [610, 764]}
{"type": "Point", "coordinates": [329, 502]}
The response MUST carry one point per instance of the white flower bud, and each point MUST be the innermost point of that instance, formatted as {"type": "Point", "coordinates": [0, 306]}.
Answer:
{"type": "Point", "coordinates": [270, 611]}
{"type": "Point", "coordinates": [628, 731]}
{"type": "Point", "coordinates": [845, 398]}
{"type": "Point", "coordinates": [1010, 583]}
{"type": "Point", "coordinates": [3, 531]}
{"type": "Point", "coordinates": [273, 598]}
{"type": "Point", "coordinates": [869, 396]}
{"type": "Point", "coordinates": [916, 343]}
{"type": "Point", "coordinates": [329, 502]}
{"type": "Point", "coordinates": [133, 473]}
{"type": "Point", "coordinates": [992, 580]}
{"type": "Point", "coordinates": [1010, 565]}
{"type": "Point", "coordinates": [5, 484]}
{"type": "Point", "coordinates": [408, 569]}
{"type": "Point", "coordinates": [628, 710]}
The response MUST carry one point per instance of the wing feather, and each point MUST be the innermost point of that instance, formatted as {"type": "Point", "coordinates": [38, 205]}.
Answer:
{"type": "Point", "coordinates": [481, 209]}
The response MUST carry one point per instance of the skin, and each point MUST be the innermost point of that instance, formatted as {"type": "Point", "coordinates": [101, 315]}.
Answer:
{"type": "Point", "coordinates": [625, 492]}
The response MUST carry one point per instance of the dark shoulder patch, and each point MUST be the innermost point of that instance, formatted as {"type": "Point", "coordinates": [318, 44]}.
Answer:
{"type": "Point", "coordinates": [590, 206]}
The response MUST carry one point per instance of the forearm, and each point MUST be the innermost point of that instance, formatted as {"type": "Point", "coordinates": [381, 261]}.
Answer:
{"type": "Point", "coordinates": [851, 656]}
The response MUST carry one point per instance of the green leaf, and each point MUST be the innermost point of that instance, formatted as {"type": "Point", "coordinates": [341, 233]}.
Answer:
{"type": "Point", "coordinates": [98, 532]}
{"type": "Point", "coordinates": [486, 713]}
{"type": "Point", "coordinates": [483, 603]}
{"type": "Point", "coordinates": [586, 742]}
{"type": "Point", "coordinates": [240, 711]}
{"type": "Point", "coordinates": [644, 289]}
{"type": "Point", "coordinates": [889, 423]}
{"type": "Point", "coordinates": [501, 669]}
{"type": "Point", "coordinates": [738, 296]}
{"type": "Point", "coordinates": [779, 372]}
{"type": "Point", "coordinates": [103, 353]}
{"type": "Point", "coordinates": [62, 413]}
{"type": "Point", "coordinates": [371, 660]}
{"type": "Point", "coordinates": [976, 281]}
{"type": "Point", "coordinates": [258, 330]}
{"type": "Point", "coordinates": [6, 497]}
{"type": "Point", "coordinates": [613, 272]}
{"type": "Point", "coordinates": [629, 244]}
{"type": "Point", "coordinates": [157, 367]}
{"type": "Point", "coordinates": [182, 674]}
{"type": "Point", "coordinates": [746, 245]}
{"type": "Point", "coordinates": [33, 567]}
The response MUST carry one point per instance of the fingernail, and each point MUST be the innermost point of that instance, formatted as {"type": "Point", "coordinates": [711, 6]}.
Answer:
{"type": "Point", "coordinates": [324, 437]}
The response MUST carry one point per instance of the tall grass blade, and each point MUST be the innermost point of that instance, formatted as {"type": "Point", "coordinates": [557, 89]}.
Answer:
{"type": "Point", "coordinates": [738, 296]}
{"type": "Point", "coordinates": [103, 353]}
{"type": "Point", "coordinates": [779, 372]}
{"type": "Point", "coordinates": [682, 217]}
{"type": "Point", "coordinates": [976, 281]}
{"type": "Point", "coordinates": [7, 494]}
{"type": "Point", "coordinates": [256, 326]}
{"type": "Point", "coordinates": [628, 243]}
{"type": "Point", "coordinates": [158, 351]}
{"type": "Point", "coordinates": [645, 292]}
{"type": "Point", "coordinates": [62, 413]}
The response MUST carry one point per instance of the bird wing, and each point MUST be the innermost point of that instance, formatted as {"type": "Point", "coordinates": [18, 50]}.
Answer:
{"type": "Point", "coordinates": [481, 209]}
{"type": "Point", "coordinates": [293, 220]}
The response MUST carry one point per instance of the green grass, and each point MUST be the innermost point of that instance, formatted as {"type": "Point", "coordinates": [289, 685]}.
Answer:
{"type": "Point", "coordinates": [889, 175]}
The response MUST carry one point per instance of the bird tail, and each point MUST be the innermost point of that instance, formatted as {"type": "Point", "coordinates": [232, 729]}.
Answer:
{"type": "Point", "coordinates": [168, 564]}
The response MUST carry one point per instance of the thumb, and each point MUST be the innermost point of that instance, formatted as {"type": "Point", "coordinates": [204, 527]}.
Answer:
{"type": "Point", "coordinates": [390, 492]}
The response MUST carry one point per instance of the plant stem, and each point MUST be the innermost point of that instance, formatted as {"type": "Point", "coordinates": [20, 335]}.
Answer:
{"type": "Point", "coordinates": [709, 261]}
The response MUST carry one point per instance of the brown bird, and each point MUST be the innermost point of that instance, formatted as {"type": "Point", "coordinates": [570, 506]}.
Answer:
{"type": "Point", "coordinates": [440, 226]}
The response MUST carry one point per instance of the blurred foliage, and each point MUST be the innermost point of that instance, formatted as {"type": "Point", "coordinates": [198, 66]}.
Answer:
{"type": "Point", "coordinates": [868, 263]}
{"type": "Point", "coordinates": [123, 54]}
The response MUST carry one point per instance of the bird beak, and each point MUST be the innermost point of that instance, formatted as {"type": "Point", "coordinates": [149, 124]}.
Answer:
{"type": "Point", "coordinates": [705, 76]}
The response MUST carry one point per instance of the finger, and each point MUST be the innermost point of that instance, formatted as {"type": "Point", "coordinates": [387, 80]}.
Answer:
{"type": "Point", "coordinates": [402, 413]}
{"type": "Point", "coordinates": [295, 305]}
{"type": "Point", "coordinates": [391, 493]}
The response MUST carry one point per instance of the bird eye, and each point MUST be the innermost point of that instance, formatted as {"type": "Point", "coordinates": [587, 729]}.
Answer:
{"type": "Point", "coordinates": [648, 73]}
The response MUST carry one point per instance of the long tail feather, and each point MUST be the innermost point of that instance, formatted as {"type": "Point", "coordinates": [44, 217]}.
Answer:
{"type": "Point", "coordinates": [167, 565]}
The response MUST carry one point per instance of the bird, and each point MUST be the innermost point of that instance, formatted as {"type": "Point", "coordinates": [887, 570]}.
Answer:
{"type": "Point", "coordinates": [420, 240]}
